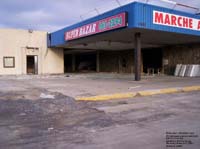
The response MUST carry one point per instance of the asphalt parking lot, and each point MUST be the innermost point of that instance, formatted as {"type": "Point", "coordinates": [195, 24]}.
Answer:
{"type": "Point", "coordinates": [34, 114]}
{"type": "Point", "coordinates": [92, 84]}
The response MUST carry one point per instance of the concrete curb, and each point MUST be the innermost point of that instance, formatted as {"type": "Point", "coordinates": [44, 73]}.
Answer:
{"type": "Point", "coordinates": [139, 93]}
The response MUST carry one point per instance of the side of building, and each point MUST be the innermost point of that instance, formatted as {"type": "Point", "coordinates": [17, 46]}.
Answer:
{"type": "Point", "coordinates": [26, 52]}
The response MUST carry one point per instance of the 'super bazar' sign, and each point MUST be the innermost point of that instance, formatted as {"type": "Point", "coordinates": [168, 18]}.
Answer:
{"type": "Point", "coordinates": [107, 24]}
{"type": "Point", "coordinates": [168, 19]}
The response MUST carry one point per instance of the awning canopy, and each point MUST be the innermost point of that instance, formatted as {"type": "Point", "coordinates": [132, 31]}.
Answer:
{"type": "Point", "coordinates": [115, 31]}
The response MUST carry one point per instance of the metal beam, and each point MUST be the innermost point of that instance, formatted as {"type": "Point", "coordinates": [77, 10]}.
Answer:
{"type": "Point", "coordinates": [137, 56]}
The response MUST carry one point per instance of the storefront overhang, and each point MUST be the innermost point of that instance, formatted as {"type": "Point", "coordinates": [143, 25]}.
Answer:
{"type": "Point", "coordinates": [158, 27]}
{"type": "Point", "coordinates": [124, 39]}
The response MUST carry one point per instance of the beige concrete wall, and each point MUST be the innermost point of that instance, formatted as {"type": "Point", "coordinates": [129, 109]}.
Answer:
{"type": "Point", "coordinates": [53, 61]}
{"type": "Point", "coordinates": [14, 43]}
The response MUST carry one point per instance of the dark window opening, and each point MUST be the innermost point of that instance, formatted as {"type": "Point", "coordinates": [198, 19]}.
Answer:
{"type": "Point", "coordinates": [67, 63]}
{"type": "Point", "coordinates": [86, 62]}
{"type": "Point", "coordinates": [124, 63]}
{"type": "Point", "coordinates": [83, 62]}
{"type": "Point", "coordinates": [152, 60]}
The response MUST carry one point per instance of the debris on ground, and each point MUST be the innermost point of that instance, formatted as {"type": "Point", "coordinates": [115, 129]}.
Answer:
{"type": "Point", "coordinates": [46, 96]}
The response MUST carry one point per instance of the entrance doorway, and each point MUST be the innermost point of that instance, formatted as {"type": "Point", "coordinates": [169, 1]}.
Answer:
{"type": "Point", "coordinates": [32, 64]}
{"type": "Point", "coordinates": [152, 60]}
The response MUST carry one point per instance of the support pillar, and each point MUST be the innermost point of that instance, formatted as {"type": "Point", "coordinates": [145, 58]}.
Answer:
{"type": "Point", "coordinates": [97, 62]}
{"type": "Point", "coordinates": [73, 63]}
{"type": "Point", "coordinates": [137, 56]}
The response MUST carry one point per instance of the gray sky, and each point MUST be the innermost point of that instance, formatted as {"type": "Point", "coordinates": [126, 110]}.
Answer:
{"type": "Point", "coordinates": [51, 15]}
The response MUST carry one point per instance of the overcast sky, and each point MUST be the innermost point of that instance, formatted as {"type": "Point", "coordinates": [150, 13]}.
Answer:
{"type": "Point", "coordinates": [51, 15]}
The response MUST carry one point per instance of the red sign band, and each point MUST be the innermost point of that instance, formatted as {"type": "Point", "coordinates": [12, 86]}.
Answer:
{"type": "Point", "coordinates": [107, 24]}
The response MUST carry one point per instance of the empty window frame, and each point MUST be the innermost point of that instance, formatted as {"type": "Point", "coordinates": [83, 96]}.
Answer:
{"type": "Point", "coordinates": [9, 62]}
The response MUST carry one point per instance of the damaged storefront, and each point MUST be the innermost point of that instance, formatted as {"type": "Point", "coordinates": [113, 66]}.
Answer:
{"type": "Point", "coordinates": [137, 38]}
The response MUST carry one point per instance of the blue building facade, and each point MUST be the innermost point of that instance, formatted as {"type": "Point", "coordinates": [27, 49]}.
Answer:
{"type": "Point", "coordinates": [140, 16]}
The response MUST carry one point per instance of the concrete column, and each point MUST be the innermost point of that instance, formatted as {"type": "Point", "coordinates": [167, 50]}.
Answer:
{"type": "Point", "coordinates": [97, 62]}
{"type": "Point", "coordinates": [73, 62]}
{"type": "Point", "coordinates": [137, 57]}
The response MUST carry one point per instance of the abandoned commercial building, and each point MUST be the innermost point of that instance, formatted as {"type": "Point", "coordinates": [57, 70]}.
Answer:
{"type": "Point", "coordinates": [136, 38]}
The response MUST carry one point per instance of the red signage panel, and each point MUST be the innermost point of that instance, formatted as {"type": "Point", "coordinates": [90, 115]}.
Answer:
{"type": "Point", "coordinates": [107, 24]}
{"type": "Point", "coordinates": [173, 20]}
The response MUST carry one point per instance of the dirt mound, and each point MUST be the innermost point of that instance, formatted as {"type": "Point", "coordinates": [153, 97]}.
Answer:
{"type": "Point", "coordinates": [29, 122]}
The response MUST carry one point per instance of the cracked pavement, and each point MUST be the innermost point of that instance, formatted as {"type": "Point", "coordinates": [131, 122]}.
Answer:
{"type": "Point", "coordinates": [29, 121]}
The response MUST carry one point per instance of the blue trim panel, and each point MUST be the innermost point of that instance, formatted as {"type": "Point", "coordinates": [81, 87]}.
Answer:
{"type": "Point", "coordinates": [140, 15]}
